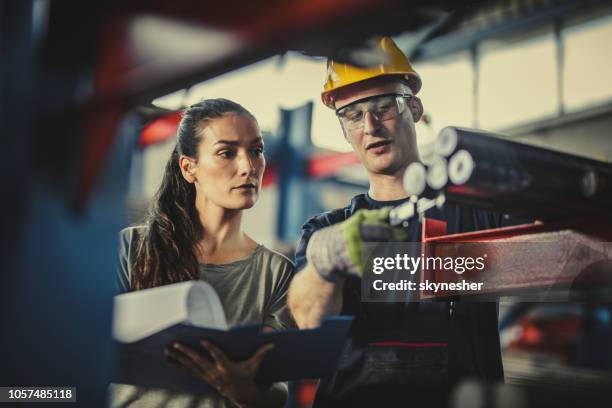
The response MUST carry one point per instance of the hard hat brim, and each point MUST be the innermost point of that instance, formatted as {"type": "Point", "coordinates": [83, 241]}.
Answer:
{"type": "Point", "coordinates": [412, 79]}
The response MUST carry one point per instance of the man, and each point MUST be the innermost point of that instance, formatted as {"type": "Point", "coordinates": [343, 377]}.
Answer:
{"type": "Point", "coordinates": [398, 354]}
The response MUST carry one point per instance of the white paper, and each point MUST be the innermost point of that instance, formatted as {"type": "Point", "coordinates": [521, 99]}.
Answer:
{"type": "Point", "coordinates": [142, 313]}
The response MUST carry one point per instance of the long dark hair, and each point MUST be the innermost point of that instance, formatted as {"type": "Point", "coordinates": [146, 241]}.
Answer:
{"type": "Point", "coordinates": [165, 251]}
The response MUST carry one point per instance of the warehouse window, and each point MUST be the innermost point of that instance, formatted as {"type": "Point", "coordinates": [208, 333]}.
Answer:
{"type": "Point", "coordinates": [173, 101]}
{"type": "Point", "coordinates": [588, 58]}
{"type": "Point", "coordinates": [304, 78]}
{"type": "Point", "coordinates": [517, 82]}
{"type": "Point", "coordinates": [253, 86]}
{"type": "Point", "coordinates": [447, 94]}
{"type": "Point", "coordinates": [287, 82]}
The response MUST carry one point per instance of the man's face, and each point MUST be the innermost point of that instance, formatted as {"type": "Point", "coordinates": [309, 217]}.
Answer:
{"type": "Point", "coordinates": [383, 146]}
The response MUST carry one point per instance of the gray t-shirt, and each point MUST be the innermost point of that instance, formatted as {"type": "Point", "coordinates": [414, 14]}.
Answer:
{"type": "Point", "coordinates": [252, 290]}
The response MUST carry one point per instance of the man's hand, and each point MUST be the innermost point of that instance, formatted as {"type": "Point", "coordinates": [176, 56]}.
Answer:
{"type": "Point", "coordinates": [336, 251]}
{"type": "Point", "coordinates": [232, 379]}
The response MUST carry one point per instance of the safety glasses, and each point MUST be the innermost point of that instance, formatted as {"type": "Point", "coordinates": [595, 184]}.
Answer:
{"type": "Point", "coordinates": [381, 107]}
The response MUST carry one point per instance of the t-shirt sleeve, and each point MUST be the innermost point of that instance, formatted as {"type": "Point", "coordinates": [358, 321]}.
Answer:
{"type": "Point", "coordinates": [308, 229]}
{"type": "Point", "coordinates": [277, 315]}
{"type": "Point", "coordinates": [127, 243]}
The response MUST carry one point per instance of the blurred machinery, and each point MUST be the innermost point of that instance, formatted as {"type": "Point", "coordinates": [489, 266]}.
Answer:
{"type": "Point", "coordinates": [568, 254]}
{"type": "Point", "coordinates": [565, 258]}
{"type": "Point", "coordinates": [524, 180]}
{"type": "Point", "coordinates": [72, 76]}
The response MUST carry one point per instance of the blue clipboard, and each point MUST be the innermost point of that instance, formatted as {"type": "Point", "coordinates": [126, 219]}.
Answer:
{"type": "Point", "coordinates": [298, 354]}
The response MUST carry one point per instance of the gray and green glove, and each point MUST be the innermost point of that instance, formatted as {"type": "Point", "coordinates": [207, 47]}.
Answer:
{"type": "Point", "coordinates": [337, 251]}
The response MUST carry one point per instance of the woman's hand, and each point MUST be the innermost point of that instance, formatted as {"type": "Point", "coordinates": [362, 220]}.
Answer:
{"type": "Point", "coordinates": [232, 379]}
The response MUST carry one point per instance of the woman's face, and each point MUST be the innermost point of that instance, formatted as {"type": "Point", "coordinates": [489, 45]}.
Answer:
{"type": "Point", "coordinates": [230, 163]}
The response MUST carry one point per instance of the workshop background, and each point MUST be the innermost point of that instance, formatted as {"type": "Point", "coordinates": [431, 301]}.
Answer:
{"type": "Point", "coordinates": [89, 103]}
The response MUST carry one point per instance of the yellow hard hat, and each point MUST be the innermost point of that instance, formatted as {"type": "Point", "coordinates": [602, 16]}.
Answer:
{"type": "Point", "coordinates": [340, 75]}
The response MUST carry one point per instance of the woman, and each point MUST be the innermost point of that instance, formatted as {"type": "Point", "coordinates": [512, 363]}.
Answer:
{"type": "Point", "coordinates": [193, 232]}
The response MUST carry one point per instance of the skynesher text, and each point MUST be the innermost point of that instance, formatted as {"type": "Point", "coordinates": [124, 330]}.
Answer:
{"type": "Point", "coordinates": [426, 286]}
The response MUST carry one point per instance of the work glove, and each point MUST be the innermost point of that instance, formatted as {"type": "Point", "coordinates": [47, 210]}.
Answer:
{"type": "Point", "coordinates": [338, 251]}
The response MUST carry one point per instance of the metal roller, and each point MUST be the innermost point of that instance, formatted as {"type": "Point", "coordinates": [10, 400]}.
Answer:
{"type": "Point", "coordinates": [437, 174]}
{"type": "Point", "coordinates": [520, 179]}
{"type": "Point", "coordinates": [461, 167]}
{"type": "Point", "coordinates": [415, 179]}
{"type": "Point", "coordinates": [420, 181]}
{"type": "Point", "coordinates": [446, 143]}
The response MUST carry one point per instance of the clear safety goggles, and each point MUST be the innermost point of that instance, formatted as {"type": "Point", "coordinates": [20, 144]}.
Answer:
{"type": "Point", "coordinates": [381, 107]}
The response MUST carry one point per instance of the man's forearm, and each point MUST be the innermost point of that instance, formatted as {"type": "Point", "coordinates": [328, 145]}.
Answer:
{"type": "Point", "coordinates": [311, 298]}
